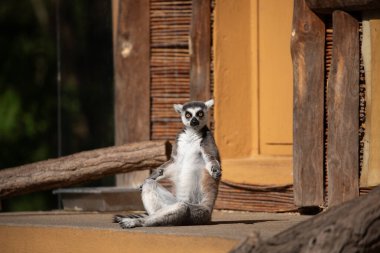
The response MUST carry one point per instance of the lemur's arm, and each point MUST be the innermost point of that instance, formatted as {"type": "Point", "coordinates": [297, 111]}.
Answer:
{"type": "Point", "coordinates": [163, 171]}
{"type": "Point", "coordinates": [211, 155]}
{"type": "Point", "coordinates": [167, 169]}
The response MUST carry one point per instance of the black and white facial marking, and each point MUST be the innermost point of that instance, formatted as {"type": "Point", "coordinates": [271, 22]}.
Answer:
{"type": "Point", "coordinates": [194, 114]}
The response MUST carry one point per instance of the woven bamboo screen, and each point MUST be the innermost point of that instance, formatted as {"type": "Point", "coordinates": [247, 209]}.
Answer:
{"type": "Point", "coordinates": [170, 64]}
{"type": "Point", "coordinates": [170, 25]}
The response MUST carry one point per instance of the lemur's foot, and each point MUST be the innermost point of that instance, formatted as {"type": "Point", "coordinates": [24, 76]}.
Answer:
{"type": "Point", "coordinates": [129, 221]}
{"type": "Point", "coordinates": [117, 218]}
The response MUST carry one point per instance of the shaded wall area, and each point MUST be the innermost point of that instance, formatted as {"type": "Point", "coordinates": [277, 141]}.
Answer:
{"type": "Point", "coordinates": [29, 104]}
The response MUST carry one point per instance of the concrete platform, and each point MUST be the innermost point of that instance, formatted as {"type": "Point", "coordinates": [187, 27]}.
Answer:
{"type": "Point", "coordinates": [94, 232]}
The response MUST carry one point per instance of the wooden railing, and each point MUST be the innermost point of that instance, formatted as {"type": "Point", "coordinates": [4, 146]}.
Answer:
{"type": "Point", "coordinates": [327, 148]}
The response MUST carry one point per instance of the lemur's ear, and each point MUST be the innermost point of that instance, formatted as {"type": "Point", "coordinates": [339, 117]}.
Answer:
{"type": "Point", "coordinates": [178, 108]}
{"type": "Point", "coordinates": [209, 104]}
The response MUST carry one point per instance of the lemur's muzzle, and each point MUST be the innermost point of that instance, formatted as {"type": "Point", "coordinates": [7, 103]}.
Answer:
{"type": "Point", "coordinates": [194, 122]}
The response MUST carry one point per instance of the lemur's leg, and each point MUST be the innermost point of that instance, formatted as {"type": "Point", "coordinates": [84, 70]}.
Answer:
{"type": "Point", "coordinates": [173, 215]}
{"type": "Point", "coordinates": [199, 214]}
{"type": "Point", "coordinates": [180, 213]}
{"type": "Point", "coordinates": [156, 199]}
{"type": "Point", "coordinates": [155, 196]}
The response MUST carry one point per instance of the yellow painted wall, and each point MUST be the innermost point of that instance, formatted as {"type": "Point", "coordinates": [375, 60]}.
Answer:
{"type": "Point", "coordinates": [254, 92]}
{"type": "Point", "coordinates": [275, 77]}
{"type": "Point", "coordinates": [253, 89]}
{"type": "Point", "coordinates": [253, 77]}
{"type": "Point", "coordinates": [234, 84]}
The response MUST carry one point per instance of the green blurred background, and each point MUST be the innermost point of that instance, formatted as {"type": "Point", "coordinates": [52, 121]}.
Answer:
{"type": "Point", "coordinates": [28, 85]}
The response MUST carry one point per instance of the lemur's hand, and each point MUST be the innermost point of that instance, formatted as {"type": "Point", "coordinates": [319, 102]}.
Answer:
{"type": "Point", "coordinates": [156, 174]}
{"type": "Point", "coordinates": [216, 171]}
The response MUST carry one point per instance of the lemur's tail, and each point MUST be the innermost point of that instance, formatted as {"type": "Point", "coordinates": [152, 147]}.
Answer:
{"type": "Point", "coordinates": [118, 217]}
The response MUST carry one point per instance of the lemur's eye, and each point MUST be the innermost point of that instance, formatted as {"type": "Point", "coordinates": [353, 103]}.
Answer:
{"type": "Point", "coordinates": [200, 114]}
{"type": "Point", "coordinates": [188, 115]}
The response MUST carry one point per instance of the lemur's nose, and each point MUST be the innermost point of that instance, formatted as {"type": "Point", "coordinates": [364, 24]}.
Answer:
{"type": "Point", "coordinates": [194, 122]}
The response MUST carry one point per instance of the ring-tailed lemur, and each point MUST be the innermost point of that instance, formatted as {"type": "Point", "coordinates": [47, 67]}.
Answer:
{"type": "Point", "coordinates": [195, 170]}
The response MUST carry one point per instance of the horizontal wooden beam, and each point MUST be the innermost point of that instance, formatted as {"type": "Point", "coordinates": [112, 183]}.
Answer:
{"type": "Point", "coordinates": [327, 6]}
{"type": "Point", "coordinates": [81, 167]}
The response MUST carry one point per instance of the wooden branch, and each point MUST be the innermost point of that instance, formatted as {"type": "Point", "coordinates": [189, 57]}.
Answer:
{"type": "Point", "coordinates": [350, 227]}
{"type": "Point", "coordinates": [343, 111]}
{"type": "Point", "coordinates": [326, 6]}
{"type": "Point", "coordinates": [81, 167]}
{"type": "Point", "coordinates": [307, 50]}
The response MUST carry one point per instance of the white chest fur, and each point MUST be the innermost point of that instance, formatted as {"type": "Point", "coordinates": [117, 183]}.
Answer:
{"type": "Point", "coordinates": [190, 166]}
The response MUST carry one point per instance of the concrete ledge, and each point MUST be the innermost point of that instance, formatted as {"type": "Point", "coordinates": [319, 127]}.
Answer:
{"type": "Point", "coordinates": [100, 199]}
{"type": "Point", "coordinates": [93, 232]}
{"type": "Point", "coordinates": [62, 240]}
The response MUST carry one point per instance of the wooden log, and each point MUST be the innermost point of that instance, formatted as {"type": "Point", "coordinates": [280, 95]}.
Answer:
{"type": "Point", "coordinates": [343, 111]}
{"type": "Point", "coordinates": [132, 79]}
{"type": "Point", "coordinates": [200, 50]}
{"type": "Point", "coordinates": [350, 227]}
{"type": "Point", "coordinates": [81, 167]}
{"type": "Point", "coordinates": [307, 50]}
{"type": "Point", "coordinates": [326, 6]}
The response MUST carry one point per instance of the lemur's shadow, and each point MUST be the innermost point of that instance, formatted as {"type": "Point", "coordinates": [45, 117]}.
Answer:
{"type": "Point", "coordinates": [224, 222]}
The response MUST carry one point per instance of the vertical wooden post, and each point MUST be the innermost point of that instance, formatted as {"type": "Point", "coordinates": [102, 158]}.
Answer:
{"type": "Point", "coordinates": [370, 174]}
{"type": "Point", "coordinates": [343, 114]}
{"type": "Point", "coordinates": [132, 78]}
{"type": "Point", "coordinates": [200, 50]}
{"type": "Point", "coordinates": [307, 50]}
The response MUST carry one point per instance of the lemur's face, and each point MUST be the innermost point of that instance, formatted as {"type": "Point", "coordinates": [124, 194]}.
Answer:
{"type": "Point", "coordinates": [194, 114]}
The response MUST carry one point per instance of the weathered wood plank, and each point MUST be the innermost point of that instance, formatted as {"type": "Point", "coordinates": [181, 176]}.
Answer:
{"type": "Point", "coordinates": [370, 175]}
{"type": "Point", "coordinates": [307, 50]}
{"type": "Point", "coordinates": [346, 5]}
{"type": "Point", "coordinates": [374, 163]}
{"type": "Point", "coordinates": [350, 227]}
{"type": "Point", "coordinates": [200, 50]}
{"type": "Point", "coordinates": [81, 167]}
{"type": "Point", "coordinates": [132, 79]}
{"type": "Point", "coordinates": [343, 111]}
{"type": "Point", "coordinates": [115, 17]}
